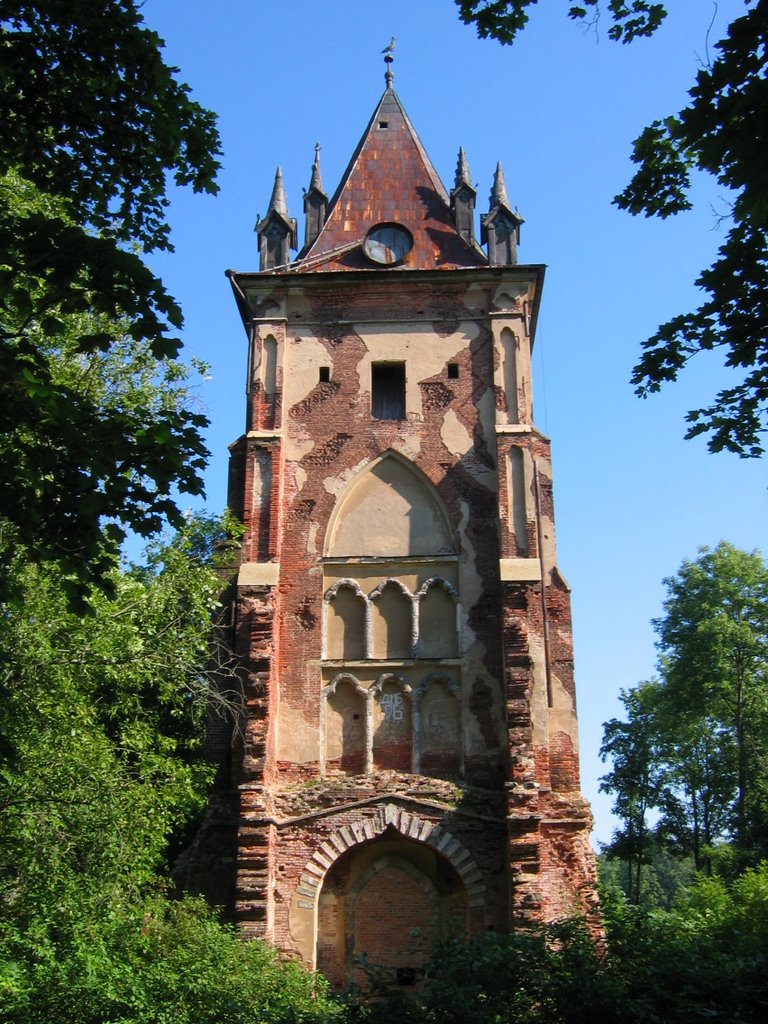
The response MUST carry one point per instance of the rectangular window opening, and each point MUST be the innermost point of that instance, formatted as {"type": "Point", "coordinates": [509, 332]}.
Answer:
{"type": "Point", "coordinates": [383, 124]}
{"type": "Point", "coordinates": [325, 374]}
{"type": "Point", "coordinates": [453, 371]}
{"type": "Point", "coordinates": [405, 975]}
{"type": "Point", "coordinates": [388, 391]}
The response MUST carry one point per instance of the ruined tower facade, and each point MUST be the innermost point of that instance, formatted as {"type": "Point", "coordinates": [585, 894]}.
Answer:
{"type": "Point", "coordinates": [407, 767]}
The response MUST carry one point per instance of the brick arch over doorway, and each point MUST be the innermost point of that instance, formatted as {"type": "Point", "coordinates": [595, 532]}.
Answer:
{"type": "Point", "coordinates": [364, 830]}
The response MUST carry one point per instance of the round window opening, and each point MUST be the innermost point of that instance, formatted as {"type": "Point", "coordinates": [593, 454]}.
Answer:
{"type": "Point", "coordinates": [388, 244]}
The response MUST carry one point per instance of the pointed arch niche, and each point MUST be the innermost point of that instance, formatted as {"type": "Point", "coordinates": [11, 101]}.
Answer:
{"type": "Point", "coordinates": [390, 620]}
{"type": "Point", "coordinates": [390, 510]}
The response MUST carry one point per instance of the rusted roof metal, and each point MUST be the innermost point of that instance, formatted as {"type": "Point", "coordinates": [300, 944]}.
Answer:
{"type": "Point", "coordinates": [390, 179]}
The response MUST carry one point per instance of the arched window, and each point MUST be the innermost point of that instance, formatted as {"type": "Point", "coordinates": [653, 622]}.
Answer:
{"type": "Point", "coordinates": [392, 724]}
{"type": "Point", "coordinates": [346, 612]}
{"type": "Point", "coordinates": [437, 620]}
{"type": "Point", "coordinates": [269, 367]}
{"type": "Point", "coordinates": [439, 749]}
{"type": "Point", "coordinates": [392, 619]}
{"type": "Point", "coordinates": [346, 733]}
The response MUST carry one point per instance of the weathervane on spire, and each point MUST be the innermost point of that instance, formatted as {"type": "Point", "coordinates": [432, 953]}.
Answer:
{"type": "Point", "coordinates": [388, 52]}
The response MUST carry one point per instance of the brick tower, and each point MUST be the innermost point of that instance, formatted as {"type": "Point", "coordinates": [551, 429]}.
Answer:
{"type": "Point", "coordinates": [407, 767]}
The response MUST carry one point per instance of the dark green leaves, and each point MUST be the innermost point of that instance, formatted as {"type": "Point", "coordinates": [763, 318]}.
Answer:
{"type": "Point", "coordinates": [693, 746]}
{"type": "Point", "coordinates": [722, 133]}
{"type": "Point", "coordinates": [497, 19]}
{"type": "Point", "coordinates": [503, 19]}
{"type": "Point", "coordinates": [93, 124]}
{"type": "Point", "coordinates": [101, 768]}
{"type": "Point", "coordinates": [91, 112]}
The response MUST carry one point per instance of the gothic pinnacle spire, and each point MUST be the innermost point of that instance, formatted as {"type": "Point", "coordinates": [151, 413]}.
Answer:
{"type": "Point", "coordinates": [316, 181]}
{"type": "Point", "coordinates": [277, 231]}
{"type": "Point", "coordinates": [278, 202]}
{"type": "Point", "coordinates": [463, 176]}
{"type": "Point", "coordinates": [500, 227]}
{"type": "Point", "coordinates": [499, 195]}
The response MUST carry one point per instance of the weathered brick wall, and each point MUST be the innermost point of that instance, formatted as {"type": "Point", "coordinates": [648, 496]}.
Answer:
{"type": "Point", "coordinates": [509, 805]}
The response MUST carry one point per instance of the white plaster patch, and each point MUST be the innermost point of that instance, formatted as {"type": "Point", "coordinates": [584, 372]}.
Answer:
{"type": "Point", "coordinates": [298, 742]}
{"type": "Point", "coordinates": [509, 296]}
{"type": "Point", "coordinates": [258, 574]}
{"type": "Point", "coordinates": [312, 538]}
{"type": "Point", "coordinates": [296, 447]}
{"type": "Point", "coordinates": [538, 703]}
{"type": "Point", "coordinates": [335, 484]}
{"type": "Point", "coordinates": [561, 699]}
{"type": "Point", "coordinates": [414, 344]}
{"type": "Point", "coordinates": [408, 444]}
{"type": "Point", "coordinates": [303, 359]}
{"type": "Point", "coordinates": [514, 569]}
{"type": "Point", "coordinates": [298, 303]}
{"type": "Point", "coordinates": [562, 714]}
{"type": "Point", "coordinates": [455, 435]}
{"type": "Point", "coordinates": [474, 297]}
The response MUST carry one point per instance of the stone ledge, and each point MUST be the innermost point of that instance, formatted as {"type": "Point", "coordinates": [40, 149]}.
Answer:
{"type": "Point", "coordinates": [514, 569]}
{"type": "Point", "coordinates": [258, 574]}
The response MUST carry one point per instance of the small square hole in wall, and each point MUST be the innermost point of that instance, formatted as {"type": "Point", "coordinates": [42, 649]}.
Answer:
{"type": "Point", "coordinates": [406, 975]}
{"type": "Point", "coordinates": [453, 371]}
{"type": "Point", "coordinates": [383, 124]}
{"type": "Point", "coordinates": [325, 374]}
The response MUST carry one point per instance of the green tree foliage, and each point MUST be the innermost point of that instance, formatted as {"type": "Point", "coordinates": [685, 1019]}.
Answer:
{"type": "Point", "coordinates": [503, 19]}
{"type": "Point", "coordinates": [535, 976]}
{"type": "Point", "coordinates": [696, 802]}
{"type": "Point", "coordinates": [662, 879]}
{"type": "Point", "coordinates": [636, 777]}
{"type": "Point", "coordinates": [704, 959]}
{"type": "Point", "coordinates": [719, 132]}
{"type": "Point", "coordinates": [713, 640]}
{"type": "Point", "coordinates": [93, 125]}
{"type": "Point", "coordinates": [100, 766]}
{"type": "Point", "coordinates": [694, 746]}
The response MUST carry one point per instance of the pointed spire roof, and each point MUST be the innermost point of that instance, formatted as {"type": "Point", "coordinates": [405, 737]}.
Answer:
{"type": "Point", "coordinates": [278, 202]}
{"type": "Point", "coordinates": [276, 215]}
{"type": "Point", "coordinates": [316, 182]}
{"type": "Point", "coordinates": [499, 195]}
{"type": "Point", "coordinates": [390, 179]}
{"type": "Point", "coordinates": [463, 177]}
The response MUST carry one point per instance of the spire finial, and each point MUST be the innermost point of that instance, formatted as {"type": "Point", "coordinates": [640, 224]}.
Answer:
{"type": "Point", "coordinates": [499, 195]}
{"type": "Point", "coordinates": [388, 51]}
{"type": "Point", "coordinates": [278, 201]}
{"type": "Point", "coordinates": [462, 170]}
{"type": "Point", "coordinates": [316, 180]}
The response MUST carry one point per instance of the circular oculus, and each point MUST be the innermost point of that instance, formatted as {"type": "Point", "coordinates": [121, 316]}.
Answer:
{"type": "Point", "coordinates": [388, 244]}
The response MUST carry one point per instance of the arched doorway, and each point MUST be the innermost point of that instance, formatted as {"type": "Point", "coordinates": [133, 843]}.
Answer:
{"type": "Point", "coordinates": [382, 907]}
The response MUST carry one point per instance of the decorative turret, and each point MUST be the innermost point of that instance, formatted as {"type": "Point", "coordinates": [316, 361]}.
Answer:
{"type": "Point", "coordinates": [277, 231]}
{"type": "Point", "coordinates": [315, 203]}
{"type": "Point", "coordinates": [500, 227]}
{"type": "Point", "coordinates": [463, 199]}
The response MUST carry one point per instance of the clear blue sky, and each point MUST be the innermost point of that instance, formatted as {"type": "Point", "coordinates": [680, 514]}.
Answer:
{"type": "Point", "coordinates": [559, 109]}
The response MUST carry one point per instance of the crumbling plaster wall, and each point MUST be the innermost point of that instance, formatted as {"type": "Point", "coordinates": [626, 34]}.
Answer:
{"type": "Point", "coordinates": [452, 441]}
{"type": "Point", "coordinates": [471, 437]}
